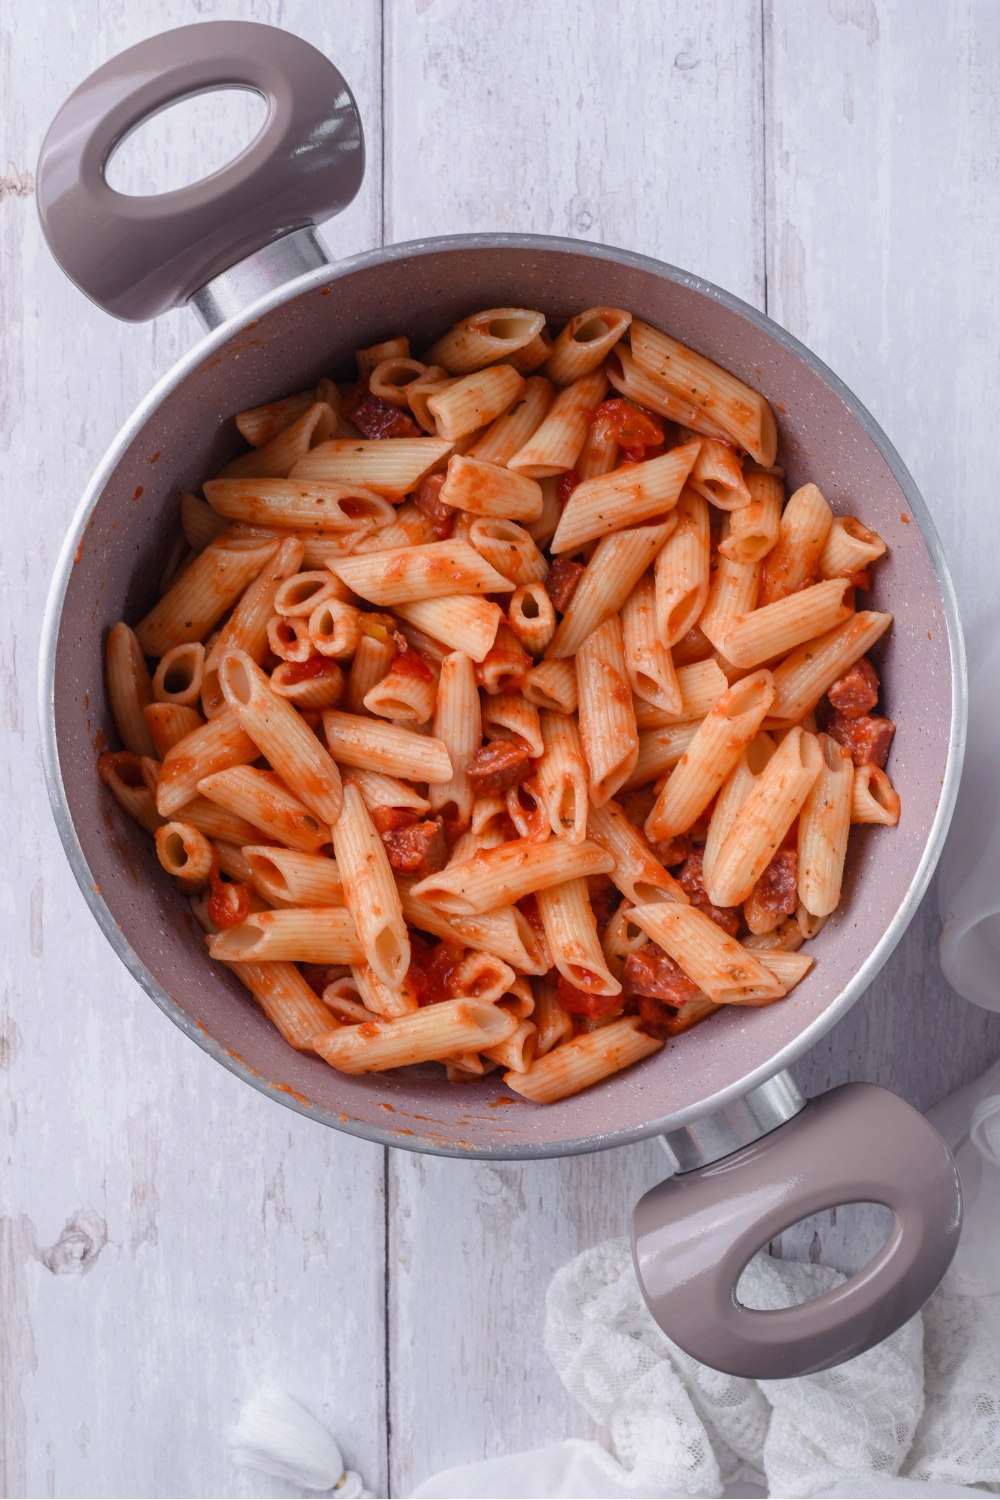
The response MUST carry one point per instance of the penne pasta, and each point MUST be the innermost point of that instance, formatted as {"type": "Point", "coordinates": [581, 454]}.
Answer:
{"type": "Point", "coordinates": [618, 563]}
{"type": "Point", "coordinates": [390, 377]}
{"type": "Point", "coordinates": [264, 800]}
{"type": "Point", "coordinates": [298, 934]}
{"type": "Point", "coordinates": [754, 528]}
{"type": "Point", "coordinates": [292, 503]}
{"type": "Point", "coordinates": [179, 675]}
{"type": "Point", "coordinates": [517, 1051]}
{"type": "Point", "coordinates": [385, 791]}
{"type": "Point", "coordinates": [849, 548]}
{"type": "Point", "coordinates": [335, 629]}
{"type": "Point", "coordinates": [508, 549]}
{"type": "Point", "coordinates": [542, 530]}
{"type": "Point", "coordinates": [734, 792]}
{"type": "Point", "coordinates": [287, 1000]}
{"type": "Point", "coordinates": [487, 489]}
{"type": "Point", "coordinates": [370, 893]}
{"type": "Point", "coordinates": [261, 423]}
{"type": "Point", "coordinates": [204, 591]}
{"type": "Point", "coordinates": [484, 338]}
{"type": "Point", "coordinates": [170, 722]}
{"type": "Point", "coordinates": [379, 998]}
{"type": "Point", "coordinates": [648, 662]}
{"type": "Point", "coordinates": [774, 629]}
{"type": "Point", "coordinates": [555, 445]}
{"type": "Point", "coordinates": [458, 727]}
{"type": "Point", "coordinates": [561, 778]}
{"type": "Point", "coordinates": [552, 685]}
{"type": "Point", "coordinates": [584, 1061]}
{"type": "Point", "coordinates": [431, 1032]}
{"type": "Point", "coordinates": [475, 400]}
{"type": "Point", "coordinates": [621, 939]}
{"type": "Point", "coordinates": [404, 575]}
{"type": "Point", "coordinates": [805, 526]}
{"type": "Point", "coordinates": [505, 932]}
{"type": "Point", "coordinates": [129, 690]}
{"type": "Point", "coordinates": [765, 817]}
{"type": "Point", "coordinates": [402, 698]}
{"type": "Point", "coordinates": [721, 967]}
{"type": "Point", "coordinates": [315, 684]}
{"type": "Point", "coordinates": [532, 617]}
{"type": "Point", "coordinates": [509, 433]}
{"type": "Point", "coordinates": [388, 748]}
{"type": "Point", "coordinates": [369, 359]}
{"type": "Point", "coordinates": [787, 968]}
{"type": "Point", "coordinates": [120, 771]}
{"type": "Point", "coordinates": [214, 746]}
{"type": "Point", "coordinates": [711, 755]}
{"type": "Point", "coordinates": [502, 876]}
{"type": "Point", "coordinates": [741, 412]}
{"type": "Point", "coordinates": [626, 497]}
{"type": "Point", "coordinates": [637, 873]}
{"type": "Point", "coordinates": [583, 343]}
{"type": "Point", "coordinates": [509, 716]}
{"type": "Point", "coordinates": [824, 825]}
{"type": "Point", "coordinates": [873, 800]}
{"type": "Point", "coordinates": [639, 386]}
{"type": "Point", "coordinates": [701, 686]}
{"type": "Point", "coordinates": [461, 621]}
{"type": "Point", "coordinates": [659, 751]}
{"type": "Point", "coordinates": [276, 458]}
{"type": "Point", "coordinates": [718, 476]}
{"type": "Point", "coordinates": [804, 676]}
{"type": "Point", "coordinates": [294, 877]}
{"type": "Point", "coordinates": [186, 854]}
{"type": "Point", "coordinates": [392, 468]}
{"type": "Point", "coordinates": [608, 730]}
{"type": "Point", "coordinates": [682, 570]}
{"type": "Point", "coordinates": [553, 1024]}
{"type": "Point", "coordinates": [732, 593]}
{"type": "Point", "coordinates": [571, 933]}
{"type": "Point", "coordinates": [199, 522]}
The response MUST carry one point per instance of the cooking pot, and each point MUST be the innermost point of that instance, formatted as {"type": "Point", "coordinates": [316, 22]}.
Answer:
{"type": "Point", "coordinates": [750, 1155]}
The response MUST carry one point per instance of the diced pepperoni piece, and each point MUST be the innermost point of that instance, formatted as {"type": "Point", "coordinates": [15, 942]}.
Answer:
{"type": "Point", "coordinates": [867, 738]}
{"type": "Point", "coordinates": [776, 891]}
{"type": "Point", "coordinates": [580, 1003]}
{"type": "Point", "coordinates": [377, 418]}
{"type": "Point", "coordinates": [691, 877]}
{"type": "Point", "coordinates": [654, 1012]}
{"type": "Point", "coordinates": [431, 968]}
{"type": "Point", "coordinates": [856, 693]}
{"type": "Point", "coordinates": [427, 498]}
{"type": "Point", "coordinates": [673, 851]}
{"type": "Point", "coordinates": [498, 766]}
{"type": "Point", "coordinates": [561, 582]}
{"type": "Point", "coordinates": [419, 849]}
{"type": "Point", "coordinates": [651, 972]}
{"type": "Point", "coordinates": [389, 819]}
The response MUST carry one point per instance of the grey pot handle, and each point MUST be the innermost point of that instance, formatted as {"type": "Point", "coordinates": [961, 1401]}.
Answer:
{"type": "Point", "coordinates": [138, 256]}
{"type": "Point", "coordinates": [693, 1235]}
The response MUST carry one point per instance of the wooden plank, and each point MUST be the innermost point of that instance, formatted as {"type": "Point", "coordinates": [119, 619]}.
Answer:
{"type": "Point", "coordinates": [593, 123]}
{"type": "Point", "coordinates": [169, 1240]}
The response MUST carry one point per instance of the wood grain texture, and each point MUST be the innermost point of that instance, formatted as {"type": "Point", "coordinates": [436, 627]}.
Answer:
{"type": "Point", "coordinates": [168, 1241]}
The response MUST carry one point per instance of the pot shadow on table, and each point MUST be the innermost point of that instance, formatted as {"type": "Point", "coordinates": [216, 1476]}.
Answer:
{"type": "Point", "coordinates": [516, 1223]}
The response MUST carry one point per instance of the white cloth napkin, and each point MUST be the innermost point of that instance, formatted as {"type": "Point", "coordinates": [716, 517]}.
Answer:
{"type": "Point", "coordinates": [918, 1415]}
{"type": "Point", "coordinates": [969, 888]}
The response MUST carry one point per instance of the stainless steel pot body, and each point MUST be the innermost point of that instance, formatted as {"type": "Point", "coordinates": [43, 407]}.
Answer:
{"type": "Point", "coordinates": [184, 431]}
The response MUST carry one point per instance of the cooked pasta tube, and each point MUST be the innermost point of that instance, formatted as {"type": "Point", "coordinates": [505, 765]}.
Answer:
{"type": "Point", "coordinates": [369, 359]}
{"type": "Point", "coordinates": [487, 489]}
{"type": "Point", "coordinates": [623, 498]}
{"type": "Point", "coordinates": [298, 596]}
{"type": "Point", "coordinates": [277, 458]}
{"type": "Point", "coordinates": [435, 378]}
{"type": "Point", "coordinates": [740, 411]}
{"type": "Point", "coordinates": [315, 684]}
{"type": "Point", "coordinates": [754, 529]}
{"type": "Point", "coordinates": [543, 529]}
{"type": "Point", "coordinates": [508, 716]}
{"type": "Point", "coordinates": [638, 874]}
{"type": "Point", "coordinates": [199, 522]}
{"type": "Point", "coordinates": [608, 730]}
{"type": "Point", "coordinates": [262, 423]}
{"type": "Point", "coordinates": [585, 1060]}
{"type": "Point", "coordinates": [287, 1000]}
{"type": "Point", "coordinates": [534, 354]}
{"type": "Point", "coordinates": [774, 629]}
{"type": "Point", "coordinates": [373, 656]}
{"type": "Point", "coordinates": [480, 976]}
{"type": "Point", "coordinates": [296, 934]}
{"type": "Point", "coordinates": [874, 799]}
{"type": "Point", "coordinates": [406, 574]}
{"type": "Point", "coordinates": [246, 628]}
{"type": "Point", "coordinates": [265, 801]}
{"type": "Point", "coordinates": [555, 445]}
{"type": "Point", "coordinates": [186, 854]}
{"type": "Point", "coordinates": [532, 617]}
{"type": "Point", "coordinates": [285, 739]}
{"type": "Point", "coordinates": [411, 528]}
{"type": "Point", "coordinates": [618, 563]}
{"type": "Point", "coordinates": [682, 570]}
{"type": "Point", "coordinates": [639, 386]}
{"type": "Point", "coordinates": [335, 629]}
{"type": "Point", "coordinates": [527, 811]}
{"type": "Point", "coordinates": [178, 675]}
{"type": "Point", "coordinates": [659, 751]}
{"type": "Point", "coordinates": [599, 453]}
{"type": "Point", "coordinates": [204, 591]}
{"type": "Point", "coordinates": [297, 503]}
{"type": "Point", "coordinates": [648, 662]}
{"type": "Point", "coordinates": [170, 722]}
{"type": "Point", "coordinates": [432, 1032]}
{"type": "Point", "coordinates": [343, 998]}
{"type": "Point", "coordinates": [293, 877]}
{"type": "Point", "coordinates": [509, 549]}
{"type": "Point", "coordinates": [553, 1023]}
{"type": "Point", "coordinates": [129, 690]}
{"type": "Point", "coordinates": [390, 378]}
{"type": "Point", "coordinates": [583, 343]}
{"type": "Point", "coordinates": [732, 593]}
{"type": "Point", "coordinates": [849, 547]}
{"type": "Point", "coordinates": [518, 1050]}
{"type": "Point", "coordinates": [520, 998]}
{"type": "Point", "coordinates": [215, 822]}
{"type": "Point", "coordinates": [764, 819]}
{"type": "Point", "coordinates": [718, 476]}
{"type": "Point", "coordinates": [475, 400]}
{"type": "Point", "coordinates": [701, 685]}
{"type": "Point", "coordinates": [504, 932]}
{"type": "Point", "coordinates": [621, 939]}
{"type": "Point", "coordinates": [121, 773]}
{"type": "Point", "coordinates": [561, 777]}
{"type": "Point", "coordinates": [804, 676]}
{"type": "Point", "coordinates": [786, 937]}
{"type": "Point", "coordinates": [289, 639]}
{"type": "Point", "coordinates": [733, 793]}
{"type": "Point", "coordinates": [385, 791]}
{"type": "Point", "coordinates": [389, 468]}
{"type": "Point", "coordinates": [712, 754]}
{"type": "Point", "coordinates": [552, 685]}
{"type": "Point", "coordinates": [485, 337]}
{"type": "Point", "coordinates": [370, 891]}
{"type": "Point", "coordinates": [401, 698]}
{"type": "Point", "coordinates": [721, 967]}
{"type": "Point", "coordinates": [787, 968]}
{"type": "Point", "coordinates": [458, 728]}
{"type": "Point", "coordinates": [379, 998]}
{"type": "Point", "coordinates": [215, 746]}
{"type": "Point", "coordinates": [461, 621]}
{"type": "Point", "coordinates": [805, 526]}
{"type": "Point", "coordinates": [824, 825]}
{"type": "Point", "coordinates": [509, 433]}
{"type": "Point", "coordinates": [501, 876]}
{"type": "Point", "coordinates": [386, 747]}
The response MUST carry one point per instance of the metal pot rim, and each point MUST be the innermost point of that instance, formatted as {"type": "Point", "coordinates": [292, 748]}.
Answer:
{"type": "Point", "coordinates": [407, 251]}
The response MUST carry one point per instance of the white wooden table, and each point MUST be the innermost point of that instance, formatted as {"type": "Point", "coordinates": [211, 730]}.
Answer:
{"type": "Point", "coordinates": [169, 1239]}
